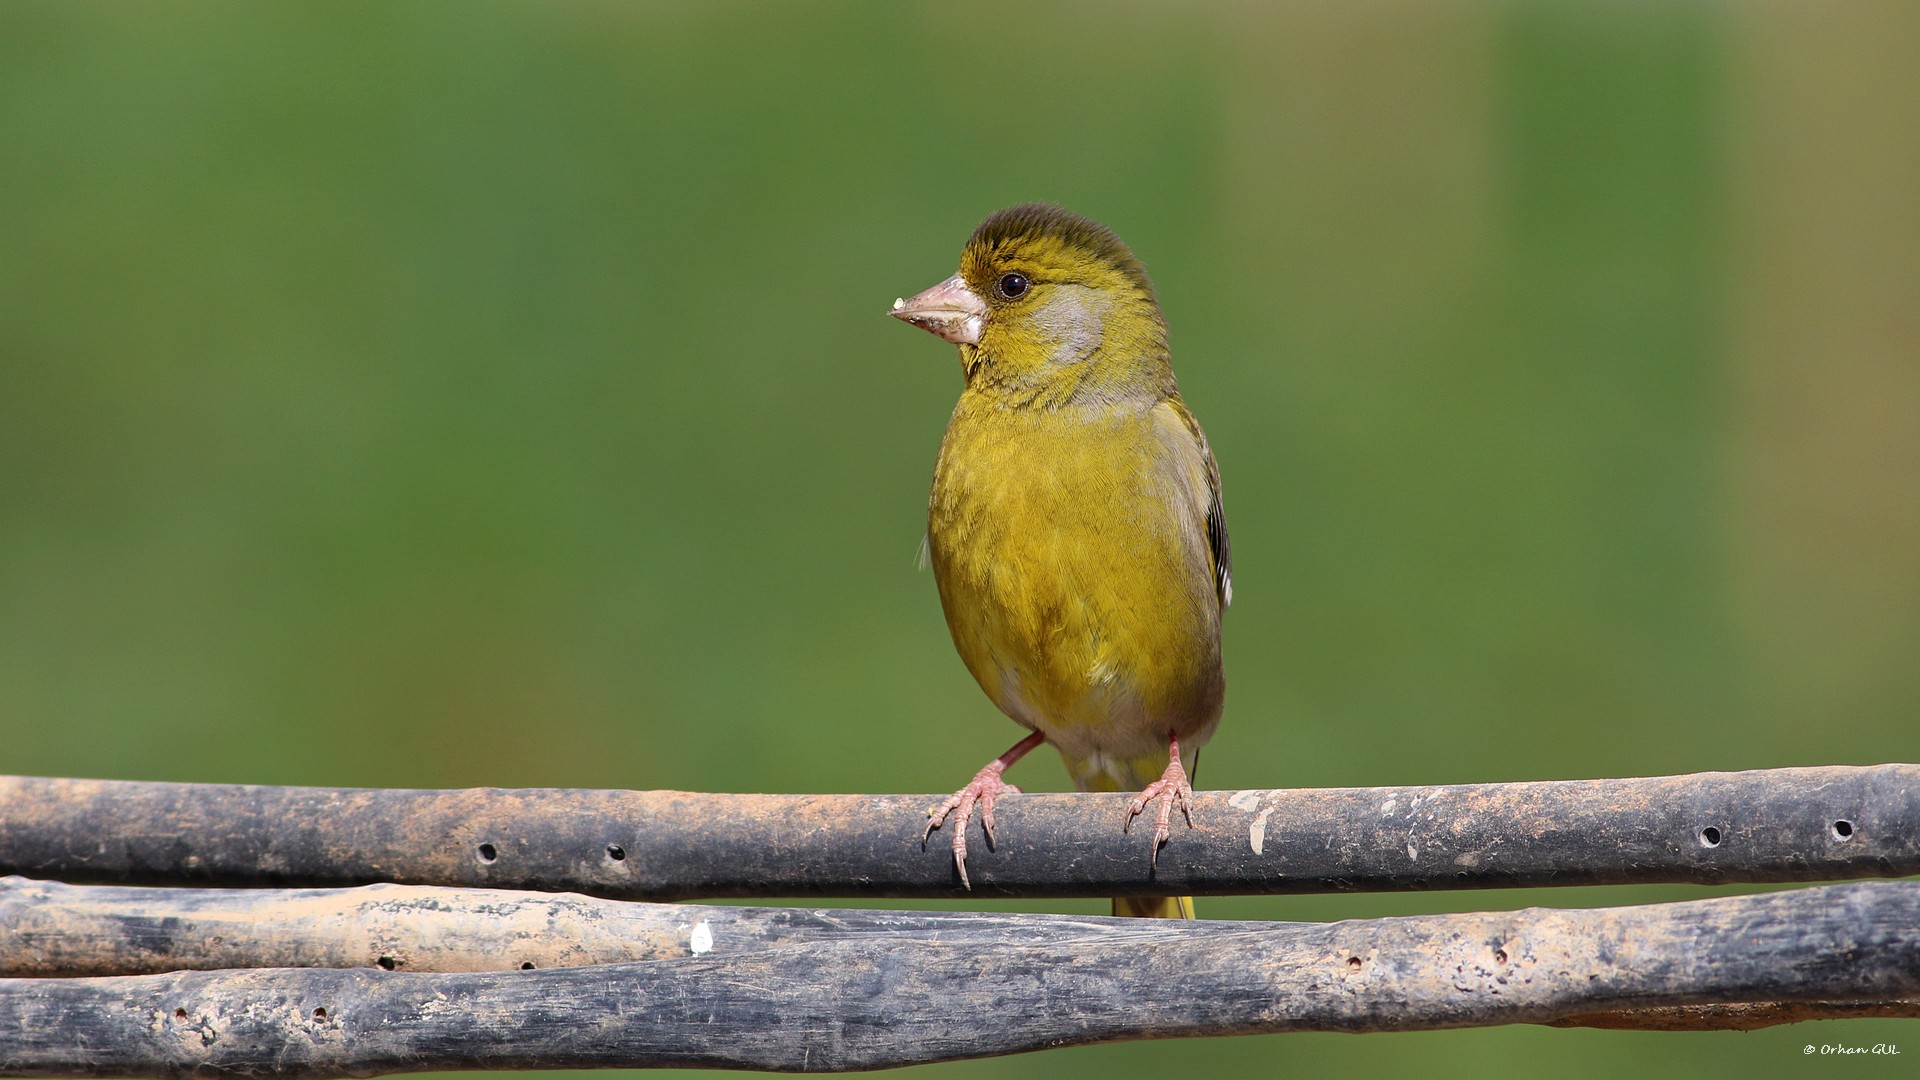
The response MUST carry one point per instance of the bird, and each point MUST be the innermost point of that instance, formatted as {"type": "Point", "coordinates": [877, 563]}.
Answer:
{"type": "Point", "coordinates": [1075, 526]}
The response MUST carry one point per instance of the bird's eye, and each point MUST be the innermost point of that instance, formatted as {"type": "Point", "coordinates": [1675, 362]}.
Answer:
{"type": "Point", "coordinates": [1013, 286]}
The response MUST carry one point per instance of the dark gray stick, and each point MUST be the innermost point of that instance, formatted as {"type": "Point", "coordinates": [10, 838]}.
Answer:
{"type": "Point", "coordinates": [1775, 825]}
{"type": "Point", "coordinates": [870, 1001]}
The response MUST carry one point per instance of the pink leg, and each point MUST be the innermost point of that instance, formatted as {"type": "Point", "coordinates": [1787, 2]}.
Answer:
{"type": "Point", "coordinates": [985, 786]}
{"type": "Point", "coordinates": [1170, 790]}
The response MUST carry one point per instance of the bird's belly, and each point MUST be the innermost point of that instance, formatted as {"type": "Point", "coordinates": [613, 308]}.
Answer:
{"type": "Point", "coordinates": [1087, 676]}
{"type": "Point", "coordinates": [1086, 619]}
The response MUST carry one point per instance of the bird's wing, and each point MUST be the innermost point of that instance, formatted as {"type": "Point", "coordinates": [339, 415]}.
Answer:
{"type": "Point", "coordinates": [1216, 522]}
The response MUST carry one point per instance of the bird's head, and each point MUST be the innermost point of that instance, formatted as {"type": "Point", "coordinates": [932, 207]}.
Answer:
{"type": "Point", "coordinates": [1049, 308]}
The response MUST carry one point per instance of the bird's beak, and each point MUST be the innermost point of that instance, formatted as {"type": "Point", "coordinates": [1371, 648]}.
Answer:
{"type": "Point", "coordinates": [949, 310]}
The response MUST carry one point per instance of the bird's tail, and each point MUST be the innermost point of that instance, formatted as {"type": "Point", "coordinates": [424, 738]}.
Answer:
{"type": "Point", "coordinates": [1132, 775]}
{"type": "Point", "coordinates": [1154, 907]}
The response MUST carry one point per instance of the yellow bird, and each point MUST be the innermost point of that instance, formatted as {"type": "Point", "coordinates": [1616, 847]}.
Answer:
{"type": "Point", "coordinates": [1075, 525]}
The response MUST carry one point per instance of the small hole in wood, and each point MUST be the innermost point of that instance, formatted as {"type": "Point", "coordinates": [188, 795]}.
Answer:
{"type": "Point", "coordinates": [179, 1014]}
{"type": "Point", "coordinates": [1354, 963]}
{"type": "Point", "coordinates": [1499, 956]}
{"type": "Point", "coordinates": [320, 1013]}
{"type": "Point", "coordinates": [487, 853]}
{"type": "Point", "coordinates": [616, 852]}
{"type": "Point", "coordinates": [1710, 837]}
{"type": "Point", "coordinates": [388, 962]}
{"type": "Point", "coordinates": [526, 965]}
{"type": "Point", "coordinates": [1843, 829]}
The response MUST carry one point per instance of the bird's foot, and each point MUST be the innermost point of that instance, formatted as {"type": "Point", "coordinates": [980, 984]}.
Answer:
{"type": "Point", "coordinates": [1172, 789]}
{"type": "Point", "coordinates": [981, 791]}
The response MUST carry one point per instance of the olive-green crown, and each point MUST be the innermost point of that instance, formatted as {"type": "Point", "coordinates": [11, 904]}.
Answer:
{"type": "Point", "coordinates": [1036, 221]}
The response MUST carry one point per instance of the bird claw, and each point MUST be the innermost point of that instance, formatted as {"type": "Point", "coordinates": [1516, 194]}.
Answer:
{"type": "Point", "coordinates": [982, 790]}
{"type": "Point", "coordinates": [1172, 789]}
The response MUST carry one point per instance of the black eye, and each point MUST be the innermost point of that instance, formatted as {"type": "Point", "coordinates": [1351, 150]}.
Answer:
{"type": "Point", "coordinates": [1013, 286]}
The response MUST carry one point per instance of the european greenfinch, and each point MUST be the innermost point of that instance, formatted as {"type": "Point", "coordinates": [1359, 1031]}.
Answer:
{"type": "Point", "coordinates": [1075, 526]}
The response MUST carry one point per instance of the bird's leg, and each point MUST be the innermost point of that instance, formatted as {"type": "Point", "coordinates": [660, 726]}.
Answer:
{"type": "Point", "coordinates": [1170, 790]}
{"type": "Point", "coordinates": [983, 789]}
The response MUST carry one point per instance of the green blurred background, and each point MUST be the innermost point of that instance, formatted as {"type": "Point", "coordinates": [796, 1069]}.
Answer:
{"type": "Point", "coordinates": [457, 394]}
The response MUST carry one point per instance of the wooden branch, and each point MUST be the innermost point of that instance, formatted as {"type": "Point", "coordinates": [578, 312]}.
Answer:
{"type": "Point", "coordinates": [53, 930]}
{"type": "Point", "coordinates": [871, 1000]}
{"type": "Point", "coordinates": [1775, 825]}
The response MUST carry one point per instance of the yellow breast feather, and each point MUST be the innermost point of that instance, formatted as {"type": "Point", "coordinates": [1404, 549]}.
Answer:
{"type": "Point", "coordinates": [1075, 566]}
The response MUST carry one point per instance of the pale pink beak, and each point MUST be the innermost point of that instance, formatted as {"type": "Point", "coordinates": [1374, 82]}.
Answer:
{"type": "Point", "coordinates": [949, 310]}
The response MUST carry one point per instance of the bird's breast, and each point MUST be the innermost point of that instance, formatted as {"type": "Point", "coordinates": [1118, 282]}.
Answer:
{"type": "Point", "coordinates": [1072, 563]}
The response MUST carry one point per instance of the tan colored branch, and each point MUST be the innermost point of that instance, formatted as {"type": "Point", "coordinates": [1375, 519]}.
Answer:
{"type": "Point", "coordinates": [51, 929]}
{"type": "Point", "coordinates": [833, 990]}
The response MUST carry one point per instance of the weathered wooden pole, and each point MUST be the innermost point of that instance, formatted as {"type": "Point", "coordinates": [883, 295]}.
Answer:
{"type": "Point", "coordinates": [873, 993]}
{"type": "Point", "coordinates": [1775, 825]}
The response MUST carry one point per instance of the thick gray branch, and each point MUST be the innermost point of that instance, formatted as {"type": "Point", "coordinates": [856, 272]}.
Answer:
{"type": "Point", "coordinates": [1775, 825]}
{"type": "Point", "coordinates": [867, 1000]}
{"type": "Point", "coordinates": [49, 929]}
